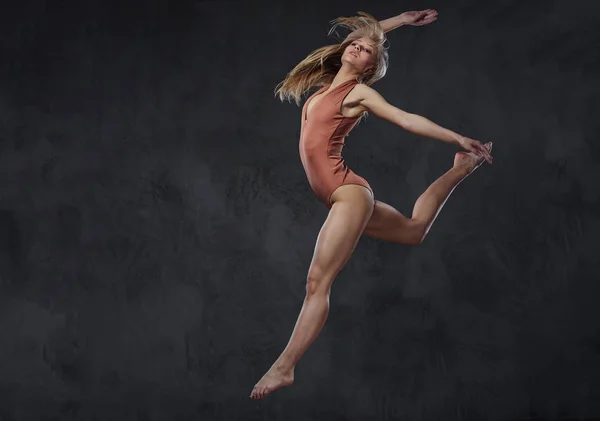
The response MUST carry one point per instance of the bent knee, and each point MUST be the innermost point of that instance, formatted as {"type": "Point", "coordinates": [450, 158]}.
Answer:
{"type": "Point", "coordinates": [317, 282]}
{"type": "Point", "coordinates": [417, 234]}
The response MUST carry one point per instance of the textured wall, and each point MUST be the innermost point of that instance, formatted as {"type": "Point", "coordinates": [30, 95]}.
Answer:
{"type": "Point", "coordinates": [156, 225]}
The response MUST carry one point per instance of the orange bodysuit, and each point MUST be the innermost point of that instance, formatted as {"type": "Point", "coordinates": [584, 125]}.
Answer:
{"type": "Point", "coordinates": [322, 136]}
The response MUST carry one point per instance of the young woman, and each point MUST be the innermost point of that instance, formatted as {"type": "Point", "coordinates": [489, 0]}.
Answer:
{"type": "Point", "coordinates": [345, 72]}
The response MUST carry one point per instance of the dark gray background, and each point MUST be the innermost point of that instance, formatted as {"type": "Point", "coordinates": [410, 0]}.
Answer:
{"type": "Point", "coordinates": [157, 226]}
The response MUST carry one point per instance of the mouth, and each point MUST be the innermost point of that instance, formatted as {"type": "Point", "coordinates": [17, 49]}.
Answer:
{"type": "Point", "coordinates": [353, 54]}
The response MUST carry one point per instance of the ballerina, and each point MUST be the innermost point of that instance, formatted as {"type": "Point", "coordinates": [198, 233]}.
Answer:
{"type": "Point", "coordinates": [345, 72]}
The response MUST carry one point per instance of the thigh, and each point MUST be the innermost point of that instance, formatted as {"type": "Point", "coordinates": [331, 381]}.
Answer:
{"type": "Point", "coordinates": [351, 209]}
{"type": "Point", "coordinates": [389, 224]}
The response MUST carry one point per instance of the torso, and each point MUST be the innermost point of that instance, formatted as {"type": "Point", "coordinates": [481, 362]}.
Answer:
{"type": "Point", "coordinates": [350, 108]}
{"type": "Point", "coordinates": [322, 137]}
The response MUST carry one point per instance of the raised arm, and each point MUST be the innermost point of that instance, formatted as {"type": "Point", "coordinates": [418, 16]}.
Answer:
{"type": "Point", "coordinates": [372, 101]}
{"type": "Point", "coordinates": [420, 18]}
{"type": "Point", "coordinates": [413, 18]}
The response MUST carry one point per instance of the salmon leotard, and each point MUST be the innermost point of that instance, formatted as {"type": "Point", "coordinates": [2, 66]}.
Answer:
{"type": "Point", "coordinates": [322, 134]}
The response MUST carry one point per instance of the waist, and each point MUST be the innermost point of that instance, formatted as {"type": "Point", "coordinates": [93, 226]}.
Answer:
{"type": "Point", "coordinates": [331, 147]}
{"type": "Point", "coordinates": [313, 159]}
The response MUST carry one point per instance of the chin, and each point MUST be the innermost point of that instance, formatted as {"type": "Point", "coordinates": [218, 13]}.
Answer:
{"type": "Point", "coordinates": [350, 59]}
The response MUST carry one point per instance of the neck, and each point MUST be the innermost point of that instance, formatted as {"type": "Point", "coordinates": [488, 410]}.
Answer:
{"type": "Point", "coordinates": [343, 75]}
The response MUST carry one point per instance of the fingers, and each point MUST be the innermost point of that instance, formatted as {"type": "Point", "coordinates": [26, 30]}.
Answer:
{"type": "Point", "coordinates": [427, 16]}
{"type": "Point", "coordinates": [488, 150]}
{"type": "Point", "coordinates": [482, 150]}
{"type": "Point", "coordinates": [424, 22]}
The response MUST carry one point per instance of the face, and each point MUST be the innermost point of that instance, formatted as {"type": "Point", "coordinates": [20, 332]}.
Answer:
{"type": "Point", "coordinates": [360, 54]}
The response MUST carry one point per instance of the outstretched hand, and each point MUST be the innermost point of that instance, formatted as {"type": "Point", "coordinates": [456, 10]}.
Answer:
{"type": "Point", "coordinates": [476, 147]}
{"type": "Point", "coordinates": [420, 18]}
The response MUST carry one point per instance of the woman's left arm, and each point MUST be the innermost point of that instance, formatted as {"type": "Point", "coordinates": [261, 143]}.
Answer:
{"type": "Point", "coordinates": [372, 101]}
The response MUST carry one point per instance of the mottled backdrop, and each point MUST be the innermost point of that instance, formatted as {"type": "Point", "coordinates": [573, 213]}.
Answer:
{"type": "Point", "coordinates": [156, 225]}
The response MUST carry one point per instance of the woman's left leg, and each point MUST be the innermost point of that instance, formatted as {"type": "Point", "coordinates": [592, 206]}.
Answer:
{"type": "Point", "coordinates": [388, 224]}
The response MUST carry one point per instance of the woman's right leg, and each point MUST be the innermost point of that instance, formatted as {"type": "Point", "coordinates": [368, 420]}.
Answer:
{"type": "Point", "coordinates": [351, 209]}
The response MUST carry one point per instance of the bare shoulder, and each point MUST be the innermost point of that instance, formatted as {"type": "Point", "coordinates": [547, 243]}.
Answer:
{"type": "Point", "coordinates": [361, 89]}
{"type": "Point", "coordinates": [361, 99]}
{"type": "Point", "coordinates": [363, 92]}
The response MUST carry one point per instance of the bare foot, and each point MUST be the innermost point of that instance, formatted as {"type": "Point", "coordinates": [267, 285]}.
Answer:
{"type": "Point", "coordinates": [274, 379]}
{"type": "Point", "coordinates": [469, 162]}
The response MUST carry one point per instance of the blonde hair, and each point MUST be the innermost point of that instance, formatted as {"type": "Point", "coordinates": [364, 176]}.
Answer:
{"type": "Point", "coordinates": [320, 67]}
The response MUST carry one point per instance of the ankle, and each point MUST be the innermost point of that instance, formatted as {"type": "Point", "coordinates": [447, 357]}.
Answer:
{"type": "Point", "coordinates": [283, 366]}
{"type": "Point", "coordinates": [460, 171]}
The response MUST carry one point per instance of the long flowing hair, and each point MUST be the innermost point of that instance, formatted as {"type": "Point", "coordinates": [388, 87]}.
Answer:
{"type": "Point", "coordinates": [320, 67]}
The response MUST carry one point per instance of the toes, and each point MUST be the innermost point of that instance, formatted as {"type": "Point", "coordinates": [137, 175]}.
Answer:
{"type": "Point", "coordinates": [257, 393]}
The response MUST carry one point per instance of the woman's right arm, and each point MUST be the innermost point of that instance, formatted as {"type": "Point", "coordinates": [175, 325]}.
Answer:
{"type": "Point", "coordinates": [420, 18]}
